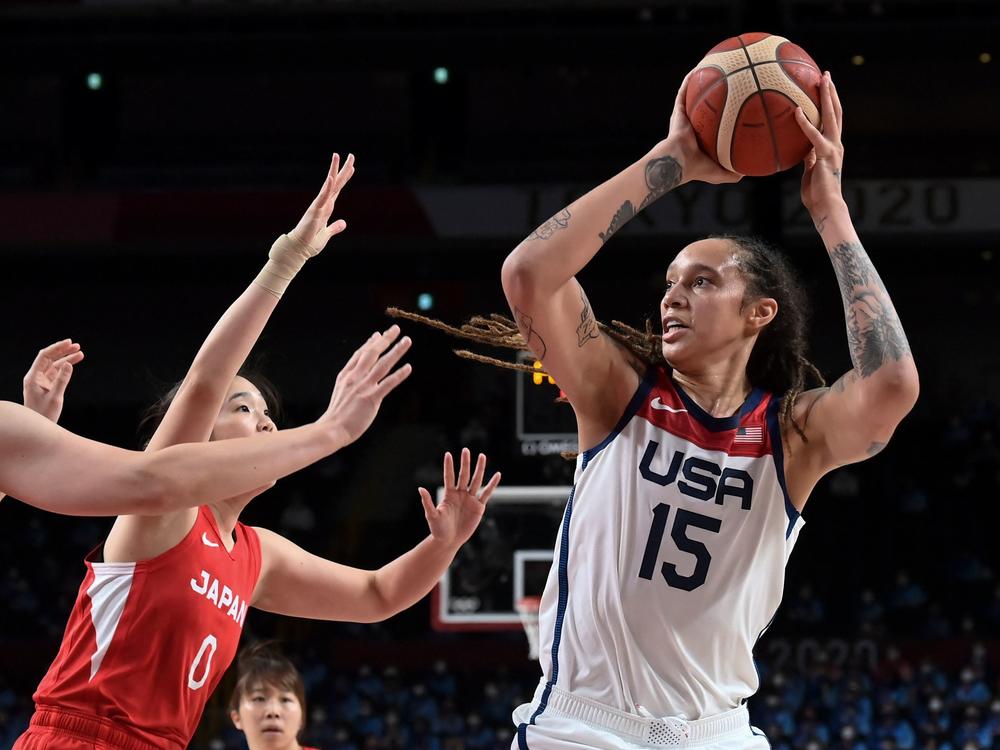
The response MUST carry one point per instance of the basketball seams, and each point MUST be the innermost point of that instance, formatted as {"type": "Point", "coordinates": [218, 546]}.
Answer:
{"type": "Point", "coordinates": [740, 89]}
{"type": "Point", "coordinates": [705, 92]}
{"type": "Point", "coordinates": [801, 99]}
{"type": "Point", "coordinates": [767, 113]}
{"type": "Point", "coordinates": [744, 63]}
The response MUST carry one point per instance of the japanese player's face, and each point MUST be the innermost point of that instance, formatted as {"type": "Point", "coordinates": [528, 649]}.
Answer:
{"type": "Point", "coordinates": [244, 412]}
{"type": "Point", "coordinates": [703, 311]}
{"type": "Point", "coordinates": [270, 717]}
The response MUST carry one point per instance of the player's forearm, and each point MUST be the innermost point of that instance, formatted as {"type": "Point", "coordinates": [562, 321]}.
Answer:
{"type": "Point", "coordinates": [879, 350]}
{"type": "Point", "coordinates": [55, 470]}
{"type": "Point", "coordinates": [231, 340]}
{"type": "Point", "coordinates": [197, 473]}
{"type": "Point", "coordinates": [410, 577]}
{"type": "Point", "coordinates": [558, 249]}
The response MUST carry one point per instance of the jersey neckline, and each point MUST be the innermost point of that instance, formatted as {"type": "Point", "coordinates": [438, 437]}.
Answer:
{"type": "Point", "coordinates": [718, 424]}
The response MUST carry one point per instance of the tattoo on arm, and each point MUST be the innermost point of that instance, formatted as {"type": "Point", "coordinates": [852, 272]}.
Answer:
{"type": "Point", "coordinates": [874, 332]}
{"type": "Point", "coordinates": [662, 176]}
{"type": "Point", "coordinates": [620, 219]}
{"type": "Point", "coordinates": [587, 330]}
{"type": "Point", "coordinates": [524, 324]}
{"type": "Point", "coordinates": [550, 227]}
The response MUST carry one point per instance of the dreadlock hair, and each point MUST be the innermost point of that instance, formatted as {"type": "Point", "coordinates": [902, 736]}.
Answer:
{"type": "Point", "coordinates": [778, 361]}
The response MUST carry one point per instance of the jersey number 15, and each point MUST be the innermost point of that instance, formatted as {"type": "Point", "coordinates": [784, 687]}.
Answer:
{"type": "Point", "coordinates": [682, 520]}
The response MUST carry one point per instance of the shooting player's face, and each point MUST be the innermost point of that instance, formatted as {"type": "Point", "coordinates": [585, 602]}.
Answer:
{"type": "Point", "coordinates": [702, 310]}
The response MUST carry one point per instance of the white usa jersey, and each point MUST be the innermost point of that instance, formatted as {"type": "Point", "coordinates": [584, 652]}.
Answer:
{"type": "Point", "coordinates": [670, 559]}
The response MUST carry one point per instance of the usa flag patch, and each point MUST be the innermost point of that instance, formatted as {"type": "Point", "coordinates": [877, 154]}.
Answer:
{"type": "Point", "coordinates": [749, 435]}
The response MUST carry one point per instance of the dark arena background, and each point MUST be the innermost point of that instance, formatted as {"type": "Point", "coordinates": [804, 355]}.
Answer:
{"type": "Point", "coordinates": [150, 152]}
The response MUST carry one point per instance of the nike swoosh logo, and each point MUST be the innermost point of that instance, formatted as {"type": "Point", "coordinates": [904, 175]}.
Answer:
{"type": "Point", "coordinates": [206, 541]}
{"type": "Point", "coordinates": [657, 404]}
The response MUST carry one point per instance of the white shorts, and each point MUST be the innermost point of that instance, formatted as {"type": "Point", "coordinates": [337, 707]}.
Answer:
{"type": "Point", "coordinates": [570, 722]}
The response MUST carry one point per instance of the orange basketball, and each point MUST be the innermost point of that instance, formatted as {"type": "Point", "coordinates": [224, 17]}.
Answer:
{"type": "Point", "coordinates": [741, 101]}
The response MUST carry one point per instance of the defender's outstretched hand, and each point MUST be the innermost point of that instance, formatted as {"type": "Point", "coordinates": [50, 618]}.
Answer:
{"type": "Point", "coordinates": [454, 520]}
{"type": "Point", "coordinates": [366, 380]}
{"type": "Point", "coordinates": [314, 228]}
{"type": "Point", "coordinates": [46, 380]}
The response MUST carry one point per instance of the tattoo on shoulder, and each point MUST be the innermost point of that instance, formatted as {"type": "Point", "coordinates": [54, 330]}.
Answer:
{"type": "Point", "coordinates": [875, 448]}
{"type": "Point", "coordinates": [620, 219]}
{"type": "Point", "coordinates": [588, 329]}
{"type": "Point", "coordinates": [843, 381]}
{"type": "Point", "coordinates": [525, 325]}
{"type": "Point", "coordinates": [874, 332]}
{"type": "Point", "coordinates": [662, 175]}
{"type": "Point", "coordinates": [553, 225]}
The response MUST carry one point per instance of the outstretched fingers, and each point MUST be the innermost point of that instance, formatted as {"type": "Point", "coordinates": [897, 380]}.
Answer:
{"type": "Point", "coordinates": [427, 501]}
{"type": "Point", "coordinates": [375, 347]}
{"type": "Point", "coordinates": [477, 475]}
{"type": "Point", "coordinates": [449, 471]}
{"type": "Point", "coordinates": [389, 360]}
{"type": "Point", "coordinates": [391, 381]}
{"type": "Point", "coordinates": [484, 497]}
{"type": "Point", "coordinates": [463, 469]}
{"type": "Point", "coordinates": [49, 354]}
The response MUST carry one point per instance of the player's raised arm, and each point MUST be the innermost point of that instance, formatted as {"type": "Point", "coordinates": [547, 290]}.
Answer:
{"type": "Point", "coordinates": [295, 582]}
{"type": "Point", "coordinates": [854, 419]}
{"type": "Point", "coordinates": [55, 470]}
{"type": "Point", "coordinates": [193, 410]}
{"type": "Point", "coordinates": [550, 307]}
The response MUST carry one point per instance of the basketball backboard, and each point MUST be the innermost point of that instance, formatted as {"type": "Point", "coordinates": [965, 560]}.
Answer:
{"type": "Point", "coordinates": [507, 559]}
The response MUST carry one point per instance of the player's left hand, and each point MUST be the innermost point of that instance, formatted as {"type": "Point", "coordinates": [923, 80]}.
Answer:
{"type": "Point", "coordinates": [821, 186]}
{"type": "Point", "coordinates": [45, 382]}
{"type": "Point", "coordinates": [454, 520]}
{"type": "Point", "coordinates": [314, 228]}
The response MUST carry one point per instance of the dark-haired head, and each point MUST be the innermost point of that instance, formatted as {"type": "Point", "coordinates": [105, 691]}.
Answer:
{"type": "Point", "coordinates": [269, 701]}
{"type": "Point", "coordinates": [251, 403]}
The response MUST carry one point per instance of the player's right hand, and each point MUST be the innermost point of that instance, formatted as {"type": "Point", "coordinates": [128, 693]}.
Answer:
{"type": "Point", "coordinates": [46, 380]}
{"type": "Point", "coordinates": [314, 228]}
{"type": "Point", "coordinates": [695, 163]}
{"type": "Point", "coordinates": [367, 378]}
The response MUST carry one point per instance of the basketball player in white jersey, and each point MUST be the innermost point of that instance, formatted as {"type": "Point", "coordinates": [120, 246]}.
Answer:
{"type": "Point", "coordinates": [50, 468]}
{"type": "Point", "coordinates": [698, 453]}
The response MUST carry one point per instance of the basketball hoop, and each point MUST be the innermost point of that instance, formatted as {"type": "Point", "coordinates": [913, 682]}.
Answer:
{"type": "Point", "coordinates": [527, 610]}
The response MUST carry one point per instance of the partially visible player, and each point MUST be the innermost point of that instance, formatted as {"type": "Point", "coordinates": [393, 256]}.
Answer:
{"type": "Point", "coordinates": [46, 380]}
{"type": "Point", "coordinates": [48, 467]}
{"type": "Point", "coordinates": [268, 703]}
{"type": "Point", "coordinates": [167, 594]}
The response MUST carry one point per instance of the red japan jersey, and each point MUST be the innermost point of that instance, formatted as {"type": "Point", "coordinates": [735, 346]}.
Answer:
{"type": "Point", "coordinates": [147, 642]}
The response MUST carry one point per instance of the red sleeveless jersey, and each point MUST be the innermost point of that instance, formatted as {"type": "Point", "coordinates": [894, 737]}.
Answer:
{"type": "Point", "coordinates": [147, 642]}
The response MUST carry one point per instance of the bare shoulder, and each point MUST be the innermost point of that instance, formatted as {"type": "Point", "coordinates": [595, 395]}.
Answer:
{"type": "Point", "coordinates": [135, 538]}
{"type": "Point", "coordinates": [607, 399]}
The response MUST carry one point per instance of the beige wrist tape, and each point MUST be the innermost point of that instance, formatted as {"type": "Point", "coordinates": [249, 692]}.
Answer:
{"type": "Point", "coordinates": [286, 258]}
